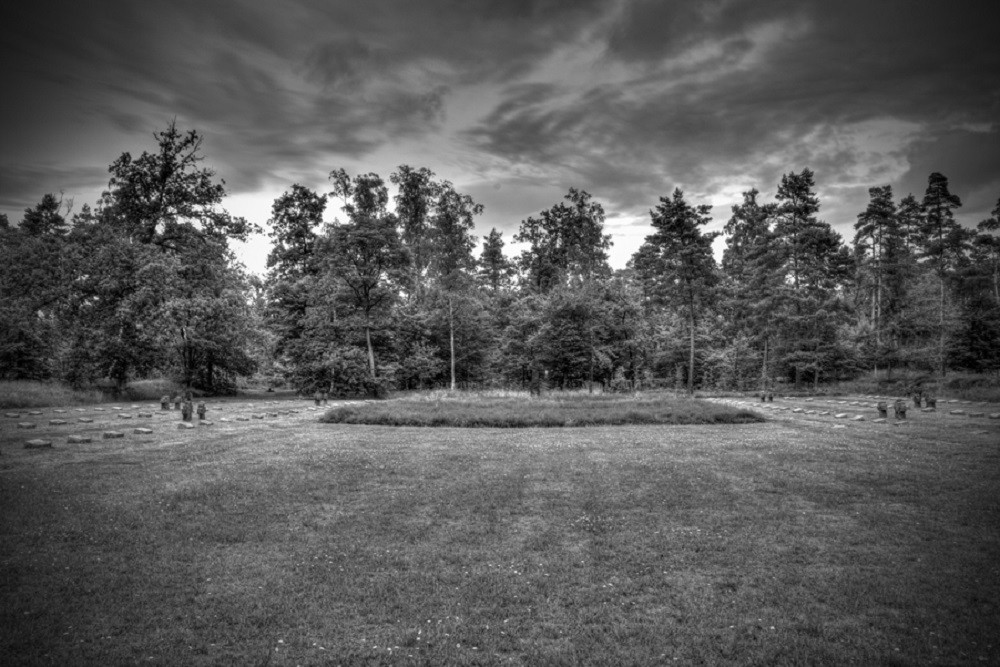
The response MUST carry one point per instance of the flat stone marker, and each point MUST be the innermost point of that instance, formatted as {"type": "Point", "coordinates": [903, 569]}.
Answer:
{"type": "Point", "coordinates": [37, 444]}
{"type": "Point", "coordinates": [59, 411]}
{"type": "Point", "coordinates": [84, 420]}
{"type": "Point", "coordinates": [98, 409]}
{"type": "Point", "coordinates": [143, 431]}
{"type": "Point", "coordinates": [957, 412]}
{"type": "Point", "coordinates": [928, 410]}
{"type": "Point", "coordinates": [78, 410]}
{"type": "Point", "coordinates": [880, 420]}
{"type": "Point", "coordinates": [225, 419]}
{"type": "Point", "coordinates": [242, 419]}
{"type": "Point", "coordinates": [78, 439]}
{"type": "Point", "coordinates": [56, 422]}
{"type": "Point", "coordinates": [124, 416]}
{"type": "Point", "coordinates": [840, 415]}
{"type": "Point", "coordinates": [25, 425]}
{"type": "Point", "coordinates": [134, 407]}
{"type": "Point", "coordinates": [205, 422]}
{"type": "Point", "coordinates": [12, 415]}
{"type": "Point", "coordinates": [977, 414]}
{"type": "Point", "coordinates": [113, 435]}
{"type": "Point", "coordinates": [797, 410]}
{"type": "Point", "coordinates": [824, 413]}
{"type": "Point", "coordinates": [840, 426]}
{"type": "Point", "coordinates": [184, 425]}
{"type": "Point", "coordinates": [954, 400]}
{"type": "Point", "coordinates": [145, 415]}
{"type": "Point", "coordinates": [115, 407]}
{"type": "Point", "coordinates": [995, 415]}
{"type": "Point", "coordinates": [858, 418]}
{"type": "Point", "coordinates": [35, 413]}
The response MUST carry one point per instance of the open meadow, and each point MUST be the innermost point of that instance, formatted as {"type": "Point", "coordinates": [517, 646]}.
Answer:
{"type": "Point", "coordinates": [269, 538]}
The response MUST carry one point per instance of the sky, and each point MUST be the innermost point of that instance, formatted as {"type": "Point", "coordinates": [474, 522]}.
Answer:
{"type": "Point", "coordinates": [513, 101]}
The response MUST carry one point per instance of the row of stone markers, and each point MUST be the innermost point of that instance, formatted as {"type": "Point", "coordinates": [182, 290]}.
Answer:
{"type": "Point", "coordinates": [881, 404]}
{"type": "Point", "coordinates": [184, 424]}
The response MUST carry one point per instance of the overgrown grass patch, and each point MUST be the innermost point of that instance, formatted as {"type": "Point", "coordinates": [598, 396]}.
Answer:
{"type": "Point", "coordinates": [32, 394]}
{"type": "Point", "coordinates": [548, 411]}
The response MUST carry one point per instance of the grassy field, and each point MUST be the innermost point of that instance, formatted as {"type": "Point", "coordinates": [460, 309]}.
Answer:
{"type": "Point", "coordinates": [284, 541]}
{"type": "Point", "coordinates": [552, 410]}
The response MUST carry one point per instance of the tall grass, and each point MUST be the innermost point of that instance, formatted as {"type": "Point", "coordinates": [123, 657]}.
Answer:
{"type": "Point", "coordinates": [519, 411]}
{"type": "Point", "coordinates": [31, 394]}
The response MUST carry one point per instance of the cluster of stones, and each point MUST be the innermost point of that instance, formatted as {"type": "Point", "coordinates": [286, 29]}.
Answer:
{"type": "Point", "coordinates": [182, 403]}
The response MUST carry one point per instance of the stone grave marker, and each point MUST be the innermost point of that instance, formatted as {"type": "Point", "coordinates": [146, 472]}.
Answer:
{"type": "Point", "coordinates": [12, 415]}
{"type": "Point", "coordinates": [56, 422]}
{"type": "Point", "coordinates": [184, 425]}
{"type": "Point", "coordinates": [38, 444]}
{"type": "Point", "coordinates": [78, 439]}
{"type": "Point", "coordinates": [205, 422]}
{"type": "Point", "coordinates": [956, 412]}
{"type": "Point", "coordinates": [26, 425]}
{"type": "Point", "coordinates": [84, 420]}
{"type": "Point", "coordinates": [113, 435]}
{"type": "Point", "coordinates": [977, 414]}
{"type": "Point", "coordinates": [145, 415]}
{"type": "Point", "coordinates": [124, 416]}
{"type": "Point", "coordinates": [840, 415]}
{"type": "Point", "coordinates": [143, 431]}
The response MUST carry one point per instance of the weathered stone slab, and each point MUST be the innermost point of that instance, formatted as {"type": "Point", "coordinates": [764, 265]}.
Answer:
{"type": "Point", "coordinates": [839, 426]}
{"type": "Point", "coordinates": [840, 415]}
{"type": "Point", "coordinates": [113, 435]}
{"type": "Point", "coordinates": [824, 413]}
{"type": "Point", "coordinates": [957, 412]}
{"type": "Point", "coordinates": [58, 411]}
{"type": "Point", "coordinates": [35, 412]}
{"type": "Point", "coordinates": [84, 420]}
{"type": "Point", "coordinates": [995, 415]}
{"type": "Point", "coordinates": [928, 410]}
{"type": "Point", "coordinates": [37, 444]}
{"type": "Point", "coordinates": [797, 410]}
{"type": "Point", "coordinates": [12, 415]}
{"type": "Point", "coordinates": [56, 422]}
{"type": "Point", "coordinates": [858, 418]}
{"type": "Point", "coordinates": [78, 439]}
{"type": "Point", "coordinates": [98, 409]}
{"type": "Point", "coordinates": [205, 422]}
{"type": "Point", "coordinates": [143, 431]}
{"type": "Point", "coordinates": [25, 425]}
{"type": "Point", "coordinates": [184, 425]}
{"type": "Point", "coordinates": [145, 415]}
{"type": "Point", "coordinates": [116, 407]}
{"type": "Point", "coordinates": [258, 416]}
{"type": "Point", "coordinates": [242, 419]}
{"type": "Point", "coordinates": [78, 410]}
{"type": "Point", "coordinates": [124, 416]}
{"type": "Point", "coordinates": [880, 420]}
{"type": "Point", "coordinates": [977, 414]}
{"type": "Point", "coordinates": [225, 419]}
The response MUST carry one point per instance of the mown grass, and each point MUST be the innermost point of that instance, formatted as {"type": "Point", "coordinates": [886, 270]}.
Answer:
{"type": "Point", "coordinates": [553, 410]}
{"type": "Point", "coordinates": [300, 543]}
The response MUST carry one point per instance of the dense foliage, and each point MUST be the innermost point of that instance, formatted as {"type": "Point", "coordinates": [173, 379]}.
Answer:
{"type": "Point", "coordinates": [393, 296]}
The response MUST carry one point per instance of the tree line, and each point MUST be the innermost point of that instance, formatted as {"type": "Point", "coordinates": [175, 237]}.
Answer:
{"type": "Point", "coordinates": [392, 295]}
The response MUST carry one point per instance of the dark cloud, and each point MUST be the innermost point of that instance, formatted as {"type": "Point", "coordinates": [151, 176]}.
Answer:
{"type": "Point", "coordinates": [626, 100]}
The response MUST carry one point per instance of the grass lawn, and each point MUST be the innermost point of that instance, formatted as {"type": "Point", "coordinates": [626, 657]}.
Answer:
{"type": "Point", "coordinates": [554, 409]}
{"type": "Point", "coordinates": [285, 541]}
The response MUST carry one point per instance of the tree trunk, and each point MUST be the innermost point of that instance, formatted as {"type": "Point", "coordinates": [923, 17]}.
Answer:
{"type": "Point", "coordinates": [590, 369]}
{"type": "Point", "coordinates": [451, 340]}
{"type": "Point", "coordinates": [371, 351]}
{"type": "Point", "coordinates": [763, 368]}
{"type": "Point", "coordinates": [941, 333]}
{"type": "Point", "coordinates": [691, 359]}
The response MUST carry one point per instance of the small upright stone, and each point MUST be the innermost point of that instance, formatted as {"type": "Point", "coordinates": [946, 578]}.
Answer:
{"type": "Point", "coordinates": [883, 409]}
{"type": "Point", "coordinates": [177, 402]}
{"type": "Point", "coordinates": [899, 408]}
{"type": "Point", "coordinates": [201, 410]}
{"type": "Point", "coordinates": [165, 402]}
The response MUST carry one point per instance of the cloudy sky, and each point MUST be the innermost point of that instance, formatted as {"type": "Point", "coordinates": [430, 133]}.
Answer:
{"type": "Point", "coordinates": [514, 101]}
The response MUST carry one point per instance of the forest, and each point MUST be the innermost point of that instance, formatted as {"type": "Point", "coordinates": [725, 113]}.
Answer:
{"type": "Point", "coordinates": [393, 295]}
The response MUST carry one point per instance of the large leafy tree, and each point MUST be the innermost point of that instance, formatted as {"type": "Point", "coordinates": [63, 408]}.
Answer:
{"type": "Point", "coordinates": [942, 243]}
{"type": "Point", "coordinates": [675, 263]}
{"type": "Point", "coordinates": [751, 263]}
{"type": "Point", "coordinates": [365, 261]}
{"type": "Point", "coordinates": [815, 267]}
{"type": "Point", "coordinates": [566, 243]}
